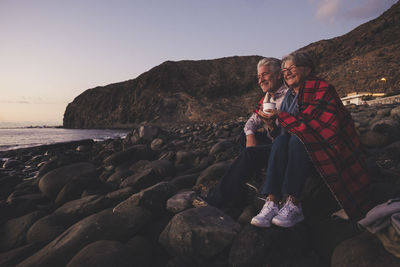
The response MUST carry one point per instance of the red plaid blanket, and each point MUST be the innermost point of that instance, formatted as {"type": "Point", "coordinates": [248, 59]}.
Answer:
{"type": "Point", "coordinates": [327, 130]}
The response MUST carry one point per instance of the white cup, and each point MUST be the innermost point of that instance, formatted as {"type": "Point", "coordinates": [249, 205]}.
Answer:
{"type": "Point", "coordinates": [267, 106]}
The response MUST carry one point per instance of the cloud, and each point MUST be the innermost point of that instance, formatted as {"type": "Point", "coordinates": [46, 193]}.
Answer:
{"type": "Point", "coordinates": [371, 8]}
{"type": "Point", "coordinates": [331, 10]}
{"type": "Point", "coordinates": [327, 10]}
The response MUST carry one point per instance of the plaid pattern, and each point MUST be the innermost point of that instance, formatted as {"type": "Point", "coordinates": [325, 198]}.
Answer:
{"type": "Point", "coordinates": [327, 130]}
{"type": "Point", "coordinates": [259, 105]}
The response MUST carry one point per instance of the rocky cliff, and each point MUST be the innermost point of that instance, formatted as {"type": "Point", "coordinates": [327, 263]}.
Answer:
{"type": "Point", "coordinates": [219, 89]}
{"type": "Point", "coordinates": [171, 92]}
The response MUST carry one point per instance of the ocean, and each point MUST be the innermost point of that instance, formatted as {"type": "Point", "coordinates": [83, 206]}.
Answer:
{"type": "Point", "coordinates": [15, 138]}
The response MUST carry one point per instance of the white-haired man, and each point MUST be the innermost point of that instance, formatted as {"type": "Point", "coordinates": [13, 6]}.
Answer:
{"type": "Point", "coordinates": [231, 189]}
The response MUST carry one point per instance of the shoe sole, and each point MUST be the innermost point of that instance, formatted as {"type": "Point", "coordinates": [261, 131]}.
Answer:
{"type": "Point", "coordinates": [255, 223]}
{"type": "Point", "coordinates": [286, 224]}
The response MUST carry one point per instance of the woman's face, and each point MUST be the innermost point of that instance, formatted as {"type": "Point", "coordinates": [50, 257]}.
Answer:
{"type": "Point", "coordinates": [294, 75]}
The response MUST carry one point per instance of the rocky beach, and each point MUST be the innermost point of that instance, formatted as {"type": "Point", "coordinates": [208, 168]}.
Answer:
{"type": "Point", "coordinates": [136, 201]}
{"type": "Point", "coordinates": [133, 202]}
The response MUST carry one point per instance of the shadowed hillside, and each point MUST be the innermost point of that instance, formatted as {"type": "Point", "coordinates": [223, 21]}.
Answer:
{"type": "Point", "coordinates": [359, 59]}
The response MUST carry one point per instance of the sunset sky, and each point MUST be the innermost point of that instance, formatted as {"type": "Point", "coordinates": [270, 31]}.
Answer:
{"type": "Point", "coordinates": [53, 50]}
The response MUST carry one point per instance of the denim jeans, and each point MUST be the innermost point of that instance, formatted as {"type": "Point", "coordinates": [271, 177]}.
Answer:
{"type": "Point", "coordinates": [288, 167]}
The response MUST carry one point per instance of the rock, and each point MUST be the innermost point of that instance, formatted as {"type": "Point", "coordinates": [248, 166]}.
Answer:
{"type": "Point", "coordinates": [136, 152]}
{"type": "Point", "coordinates": [154, 198]}
{"type": "Point", "coordinates": [13, 257]}
{"type": "Point", "coordinates": [52, 182]}
{"type": "Point", "coordinates": [184, 181]}
{"type": "Point", "coordinates": [47, 166]}
{"type": "Point", "coordinates": [12, 163]}
{"type": "Point", "coordinates": [157, 144]}
{"type": "Point", "coordinates": [84, 206]}
{"type": "Point", "coordinates": [374, 139]}
{"type": "Point", "coordinates": [120, 194]}
{"type": "Point", "coordinates": [13, 232]}
{"type": "Point", "coordinates": [199, 233]}
{"type": "Point", "coordinates": [214, 172]}
{"type": "Point", "coordinates": [74, 188]}
{"type": "Point", "coordinates": [273, 247]}
{"type": "Point", "coordinates": [220, 147]}
{"type": "Point", "coordinates": [49, 227]}
{"type": "Point", "coordinates": [395, 113]}
{"type": "Point", "coordinates": [163, 168]}
{"type": "Point", "coordinates": [104, 225]}
{"type": "Point", "coordinates": [148, 132]}
{"type": "Point", "coordinates": [382, 191]}
{"type": "Point", "coordinates": [103, 253]}
{"type": "Point", "coordinates": [145, 252]}
{"type": "Point", "coordinates": [248, 213]}
{"type": "Point", "coordinates": [363, 250]}
{"type": "Point", "coordinates": [141, 179]}
{"type": "Point", "coordinates": [155, 172]}
{"type": "Point", "coordinates": [180, 201]}
{"type": "Point", "coordinates": [185, 158]}
{"type": "Point", "coordinates": [119, 176]}
{"type": "Point", "coordinates": [386, 126]}
{"type": "Point", "coordinates": [7, 185]}
{"type": "Point", "coordinates": [383, 112]}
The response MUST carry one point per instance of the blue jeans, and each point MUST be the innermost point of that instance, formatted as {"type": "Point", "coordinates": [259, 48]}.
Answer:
{"type": "Point", "coordinates": [288, 167]}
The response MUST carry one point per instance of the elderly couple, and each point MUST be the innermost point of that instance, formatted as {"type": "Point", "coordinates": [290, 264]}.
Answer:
{"type": "Point", "coordinates": [310, 129]}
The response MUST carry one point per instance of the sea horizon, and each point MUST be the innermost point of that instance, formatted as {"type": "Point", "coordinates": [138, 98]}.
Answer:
{"type": "Point", "coordinates": [24, 137]}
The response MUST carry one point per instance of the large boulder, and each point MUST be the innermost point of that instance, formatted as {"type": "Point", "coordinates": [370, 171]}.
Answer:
{"type": "Point", "coordinates": [199, 233]}
{"type": "Point", "coordinates": [363, 250]}
{"type": "Point", "coordinates": [214, 172]}
{"type": "Point", "coordinates": [105, 225]}
{"type": "Point", "coordinates": [13, 232]}
{"type": "Point", "coordinates": [153, 173]}
{"type": "Point", "coordinates": [103, 253]}
{"type": "Point", "coordinates": [374, 139]}
{"type": "Point", "coordinates": [74, 188]}
{"type": "Point", "coordinates": [153, 198]}
{"type": "Point", "coordinates": [134, 153]}
{"type": "Point", "coordinates": [180, 201]}
{"type": "Point", "coordinates": [273, 247]}
{"type": "Point", "coordinates": [52, 182]}
{"type": "Point", "coordinates": [146, 252]}
{"type": "Point", "coordinates": [220, 147]}
{"type": "Point", "coordinates": [83, 207]}
{"type": "Point", "coordinates": [49, 227]}
{"type": "Point", "coordinates": [15, 256]}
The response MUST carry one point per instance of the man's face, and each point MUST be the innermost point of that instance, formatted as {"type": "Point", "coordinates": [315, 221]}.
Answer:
{"type": "Point", "coordinates": [268, 80]}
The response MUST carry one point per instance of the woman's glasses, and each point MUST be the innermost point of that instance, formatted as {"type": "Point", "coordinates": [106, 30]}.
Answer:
{"type": "Point", "coordinates": [291, 69]}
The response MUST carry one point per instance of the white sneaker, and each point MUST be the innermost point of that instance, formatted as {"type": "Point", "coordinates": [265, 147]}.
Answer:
{"type": "Point", "coordinates": [289, 215]}
{"type": "Point", "coordinates": [269, 211]}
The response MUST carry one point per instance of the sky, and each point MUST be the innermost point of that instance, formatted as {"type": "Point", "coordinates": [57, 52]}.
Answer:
{"type": "Point", "coordinates": [51, 50]}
